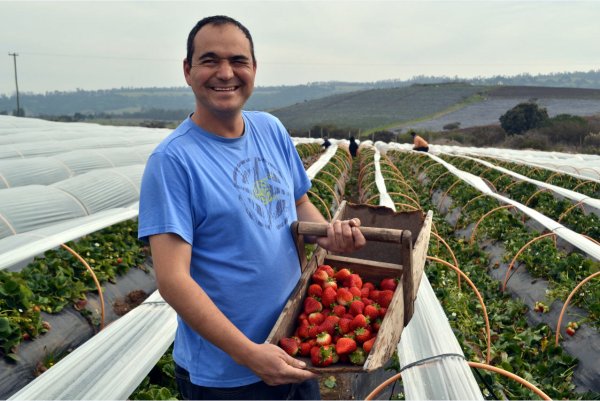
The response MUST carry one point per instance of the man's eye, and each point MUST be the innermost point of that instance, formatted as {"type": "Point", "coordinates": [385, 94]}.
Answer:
{"type": "Point", "coordinates": [209, 62]}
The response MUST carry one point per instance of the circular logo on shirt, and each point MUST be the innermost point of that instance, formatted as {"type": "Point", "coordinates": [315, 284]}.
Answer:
{"type": "Point", "coordinates": [263, 192]}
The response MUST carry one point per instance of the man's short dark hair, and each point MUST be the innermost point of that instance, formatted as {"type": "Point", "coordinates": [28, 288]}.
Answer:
{"type": "Point", "coordinates": [216, 20]}
{"type": "Point", "coordinates": [413, 133]}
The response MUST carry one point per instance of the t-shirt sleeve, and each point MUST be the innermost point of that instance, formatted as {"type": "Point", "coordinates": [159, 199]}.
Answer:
{"type": "Point", "coordinates": [165, 205]}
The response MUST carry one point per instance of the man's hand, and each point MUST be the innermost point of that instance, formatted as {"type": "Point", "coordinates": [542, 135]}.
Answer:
{"type": "Point", "coordinates": [343, 236]}
{"type": "Point", "coordinates": [274, 366]}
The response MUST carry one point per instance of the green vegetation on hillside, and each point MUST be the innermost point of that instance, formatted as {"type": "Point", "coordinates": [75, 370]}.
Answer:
{"type": "Point", "coordinates": [375, 108]}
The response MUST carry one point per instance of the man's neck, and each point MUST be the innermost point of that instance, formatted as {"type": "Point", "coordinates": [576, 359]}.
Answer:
{"type": "Point", "coordinates": [226, 126]}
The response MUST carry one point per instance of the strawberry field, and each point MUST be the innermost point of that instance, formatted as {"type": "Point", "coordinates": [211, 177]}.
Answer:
{"type": "Point", "coordinates": [527, 321]}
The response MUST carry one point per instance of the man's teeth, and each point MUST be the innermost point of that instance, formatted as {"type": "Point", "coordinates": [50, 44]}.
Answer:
{"type": "Point", "coordinates": [225, 89]}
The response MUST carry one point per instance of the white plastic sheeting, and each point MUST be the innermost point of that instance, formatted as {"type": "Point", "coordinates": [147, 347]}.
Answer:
{"type": "Point", "coordinates": [110, 365]}
{"type": "Point", "coordinates": [580, 165]}
{"type": "Point", "coordinates": [21, 247]}
{"type": "Point", "coordinates": [575, 239]}
{"type": "Point", "coordinates": [432, 363]}
{"type": "Point", "coordinates": [314, 169]}
{"type": "Point", "coordinates": [48, 170]}
{"type": "Point", "coordinates": [26, 208]}
{"type": "Point", "coordinates": [567, 193]}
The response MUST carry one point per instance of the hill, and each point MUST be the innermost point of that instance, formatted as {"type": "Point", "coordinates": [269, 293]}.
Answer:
{"type": "Point", "coordinates": [378, 108]}
{"type": "Point", "coordinates": [178, 101]}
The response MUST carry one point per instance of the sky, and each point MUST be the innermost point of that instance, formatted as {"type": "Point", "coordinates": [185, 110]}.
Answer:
{"type": "Point", "coordinates": [90, 45]}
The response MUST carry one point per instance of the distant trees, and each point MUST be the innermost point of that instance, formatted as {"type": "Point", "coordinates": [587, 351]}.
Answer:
{"type": "Point", "coordinates": [523, 117]}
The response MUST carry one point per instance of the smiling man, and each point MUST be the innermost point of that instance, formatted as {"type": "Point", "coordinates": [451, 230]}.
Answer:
{"type": "Point", "coordinates": [218, 196]}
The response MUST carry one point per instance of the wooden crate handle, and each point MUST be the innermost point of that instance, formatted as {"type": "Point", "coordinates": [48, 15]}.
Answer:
{"type": "Point", "coordinates": [370, 233]}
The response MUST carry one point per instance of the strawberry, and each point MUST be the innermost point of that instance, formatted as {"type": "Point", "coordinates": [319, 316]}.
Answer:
{"type": "Point", "coordinates": [304, 348]}
{"type": "Point", "coordinates": [371, 311]}
{"type": "Point", "coordinates": [319, 277]}
{"type": "Point", "coordinates": [330, 282]}
{"type": "Point", "coordinates": [570, 331]}
{"type": "Point", "coordinates": [353, 280]}
{"type": "Point", "coordinates": [312, 305]}
{"type": "Point", "coordinates": [359, 320]}
{"type": "Point", "coordinates": [322, 356]}
{"type": "Point", "coordinates": [367, 301]}
{"type": "Point", "coordinates": [329, 324]}
{"type": "Point", "coordinates": [302, 330]}
{"type": "Point", "coordinates": [364, 292]}
{"type": "Point", "coordinates": [362, 334]}
{"type": "Point", "coordinates": [345, 345]}
{"type": "Point", "coordinates": [316, 318]}
{"type": "Point", "coordinates": [315, 290]}
{"type": "Point", "coordinates": [339, 310]}
{"type": "Point", "coordinates": [355, 291]}
{"type": "Point", "coordinates": [324, 338]}
{"type": "Point", "coordinates": [328, 269]}
{"type": "Point", "coordinates": [358, 357]}
{"type": "Point", "coordinates": [302, 316]}
{"type": "Point", "coordinates": [289, 345]}
{"type": "Point", "coordinates": [344, 325]}
{"type": "Point", "coordinates": [342, 274]}
{"type": "Point", "coordinates": [313, 331]}
{"type": "Point", "coordinates": [356, 307]}
{"type": "Point", "coordinates": [368, 345]}
{"type": "Point", "coordinates": [374, 295]}
{"type": "Point", "coordinates": [385, 298]}
{"type": "Point", "coordinates": [368, 285]}
{"type": "Point", "coordinates": [329, 296]}
{"type": "Point", "coordinates": [382, 312]}
{"type": "Point", "coordinates": [388, 284]}
{"type": "Point", "coordinates": [376, 325]}
{"type": "Point", "coordinates": [344, 296]}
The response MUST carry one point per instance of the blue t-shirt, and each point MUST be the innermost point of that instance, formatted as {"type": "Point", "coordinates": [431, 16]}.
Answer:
{"type": "Point", "coordinates": [233, 200]}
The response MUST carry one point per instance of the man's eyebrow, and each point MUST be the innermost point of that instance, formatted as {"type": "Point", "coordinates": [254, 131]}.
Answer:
{"type": "Point", "coordinates": [214, 55]}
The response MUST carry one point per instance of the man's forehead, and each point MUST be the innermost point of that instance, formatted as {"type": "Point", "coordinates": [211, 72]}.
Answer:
{"type": "Point", "coordinates": [213, 34]}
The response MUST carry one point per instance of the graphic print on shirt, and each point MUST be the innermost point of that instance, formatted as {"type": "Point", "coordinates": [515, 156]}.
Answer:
{"type": "Point", "coordinates": [262, 190]}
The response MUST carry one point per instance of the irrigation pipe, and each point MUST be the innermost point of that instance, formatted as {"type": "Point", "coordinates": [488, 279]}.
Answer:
{"type": "Point", "coordinates": [435, 181]}
{"type": "Point", "coordinates": [483, 217]}
{"type": "Point", "coordinates": [569, 209]}
{"type": "Point", "coordinates": [447, 192]}
{"type": "Point", "coordinates": [439, 238]}
{"type": "Point", "coordinates": [514, 259]}
{"type": "Point", "coordinates": [564, 308]}
{"type": "Point", "coordinates": [89, 269]}
{"type": "Point", "coordinates": [335, 195]}
{"type": "Point", "coordinates": [322, 203]}
{"type": "Point", "coordinates": [475, 365]}
{"type": "Point", "coordinates": [485, 315]}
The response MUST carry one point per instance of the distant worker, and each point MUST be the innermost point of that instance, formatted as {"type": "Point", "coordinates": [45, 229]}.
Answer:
{"type": "Point", "coordinates": [353, 146]}
{"type": "Point", "coordinates": [326, 143]}
{"type": "Point", "coordinates": [419, 143]}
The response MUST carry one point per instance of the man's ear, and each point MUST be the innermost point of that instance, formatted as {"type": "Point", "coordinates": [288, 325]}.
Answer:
{"type": "Point", "coordinates": [186, 71]}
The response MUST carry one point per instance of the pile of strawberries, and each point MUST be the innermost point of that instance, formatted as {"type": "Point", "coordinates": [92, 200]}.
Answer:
{"type": "Point", "coordinates": [340, 318]}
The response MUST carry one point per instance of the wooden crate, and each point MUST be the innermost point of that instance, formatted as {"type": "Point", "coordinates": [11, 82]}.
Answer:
{"type": "Point", "coordinates": [396, 247]}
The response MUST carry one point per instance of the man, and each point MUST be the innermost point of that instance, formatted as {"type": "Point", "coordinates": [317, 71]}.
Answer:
{"type": "Point", "coordinates": [419, 143]}
{"type": "Point", "coordinates": [218, 196]}
{"type": "Point", "coordinates": [325, 143]}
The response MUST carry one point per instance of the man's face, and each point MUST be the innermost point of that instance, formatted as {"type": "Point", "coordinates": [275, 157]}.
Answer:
{"type": "Point", "coordinates": [222, 71]}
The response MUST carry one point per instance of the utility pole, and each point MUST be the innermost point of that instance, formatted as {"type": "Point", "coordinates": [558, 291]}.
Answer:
{"type": "Point", "coordinates": [14, 56]}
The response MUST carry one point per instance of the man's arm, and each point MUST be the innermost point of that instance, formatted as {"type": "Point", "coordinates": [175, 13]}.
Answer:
{"type": "Point", "coordinates": [342, 235]}
{"type": "Point", "coordinates": [171, 257]}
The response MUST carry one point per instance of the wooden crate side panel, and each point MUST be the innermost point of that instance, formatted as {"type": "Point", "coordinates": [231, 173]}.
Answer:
{"type": "Point", "coordinates": [389, 333]}
{"type": "Point", "coordinates": [419, 253]}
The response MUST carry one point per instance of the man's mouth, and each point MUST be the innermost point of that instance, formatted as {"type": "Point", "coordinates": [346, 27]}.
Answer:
{"type": "Point", "coordinates": [224, 88]}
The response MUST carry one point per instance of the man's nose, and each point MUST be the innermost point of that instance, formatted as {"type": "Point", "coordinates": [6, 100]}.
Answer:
{"type": "Point", "coordinates": [225, 71]}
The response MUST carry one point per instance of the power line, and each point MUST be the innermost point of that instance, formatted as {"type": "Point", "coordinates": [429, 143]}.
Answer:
{"type": "Point", "coordinates": [14, 56]}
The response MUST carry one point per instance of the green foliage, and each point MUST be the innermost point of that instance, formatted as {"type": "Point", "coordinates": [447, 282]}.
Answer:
{"type": "Point", "coordinates": [523, 117]}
